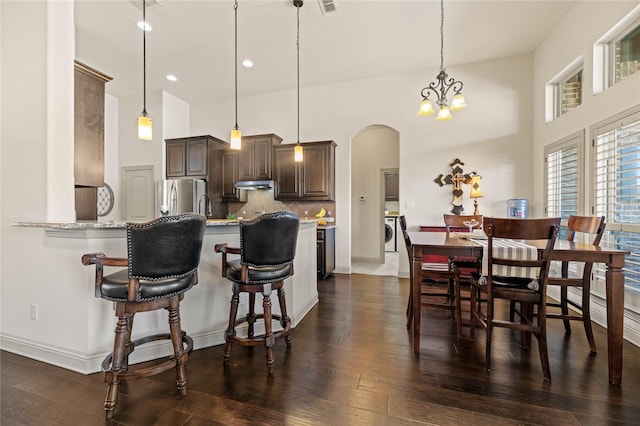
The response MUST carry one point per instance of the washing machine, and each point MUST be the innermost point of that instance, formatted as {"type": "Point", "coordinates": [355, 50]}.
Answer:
{"type": "Point", "coordinates": [390, 233]}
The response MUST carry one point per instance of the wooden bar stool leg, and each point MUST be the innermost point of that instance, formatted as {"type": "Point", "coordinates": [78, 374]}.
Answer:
{"type": "Point", "coordinates": [285, 321]}
{"type": "Point", "coordinates": [231, 328]}
{"type": "Point", "coordinates": [178, 350]}
{"type": "Point", "coordinates": [117, 360]}
{"type": "Point", "coordinates": [269, 339]}
{"type": "Point", "coordinates": [251, 316]}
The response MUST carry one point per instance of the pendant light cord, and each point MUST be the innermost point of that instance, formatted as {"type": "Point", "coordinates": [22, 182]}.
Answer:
{"type": "Point", "coordinates": [298, 67]}
{"type": "Point", "coordinates": [441, 35]}
{"type": "Point", "coordinates": [144, 59]}
{"type": "Point", "coordinates": [235, 7]}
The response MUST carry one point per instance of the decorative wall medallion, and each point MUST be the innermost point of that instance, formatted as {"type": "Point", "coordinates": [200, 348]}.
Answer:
{"type": "Point", "coordinates": [105, 200]}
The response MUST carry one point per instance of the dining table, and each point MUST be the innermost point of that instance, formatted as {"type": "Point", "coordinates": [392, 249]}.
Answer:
{"type": "Point", "coordinates": [451, 244]}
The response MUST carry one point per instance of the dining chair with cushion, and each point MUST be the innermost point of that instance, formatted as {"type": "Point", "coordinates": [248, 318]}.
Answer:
{"type": "Point", "coordinates": [466, 265]}
{"type": "Point", "coordinates": [515, 271]}
{"type": "Point", "coordinates": [161, 265]}
{"type": "Point", "coordinates": [591, 228]}
{"type": "Point", "coordinates": [267, 250]}
{"type": "Point", "coordinates": [438, 281]}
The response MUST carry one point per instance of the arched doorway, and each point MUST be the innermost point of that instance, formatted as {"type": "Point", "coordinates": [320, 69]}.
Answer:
{"type": "Point", "coordinates": [375, 152]}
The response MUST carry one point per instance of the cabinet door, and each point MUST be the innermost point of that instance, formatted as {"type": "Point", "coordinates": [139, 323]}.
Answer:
{"type": "Point", "coordinates": [391, 186]}
{"type": "Point", "coordinates": [230, 177]}
{"type": "Point", "coordinates": [196, 161]}
{"type": "Point", "coordinates": [262, 149]}
{"type": "Point", "coordinates": [318, 172]}
{"type": "Point", "coordinates": [88, 129]}
{"type": "Point", "coordinates": [246, 160]}
{"type": "Point", "coordinates": [286, 174]}
{"type": "Point", "coordinates": [176, 159]}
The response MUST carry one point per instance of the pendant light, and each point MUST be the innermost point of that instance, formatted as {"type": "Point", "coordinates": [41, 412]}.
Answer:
{"type": "Point", "coordinates": [144, 121]}
{"type": "Point", "coordinates": [297, 151]}
{"type": "Point", "coordinates": [442, 86]}
{"type": "Point", "coordinates": [236, 134]}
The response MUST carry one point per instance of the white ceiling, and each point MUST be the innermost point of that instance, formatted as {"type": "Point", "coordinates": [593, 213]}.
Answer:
{"type": "Point", "coordinates": [195, 41]}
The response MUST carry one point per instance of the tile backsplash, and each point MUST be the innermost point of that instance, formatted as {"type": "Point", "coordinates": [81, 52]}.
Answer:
{"type": "Point", "coordinates": [262, 201]}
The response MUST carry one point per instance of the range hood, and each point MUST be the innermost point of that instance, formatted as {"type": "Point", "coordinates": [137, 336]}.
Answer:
{"type": "Point", "coordinates": [254, 184]}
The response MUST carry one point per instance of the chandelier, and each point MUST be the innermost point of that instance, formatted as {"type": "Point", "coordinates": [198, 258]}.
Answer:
{"type": "Point", "coordinates": [235, 139]}
{"type": "Point", "coordinates": [442, 86]}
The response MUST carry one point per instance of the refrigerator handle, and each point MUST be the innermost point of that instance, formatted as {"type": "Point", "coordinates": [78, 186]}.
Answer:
{"type": "Point", "coordinates": [173, 200]}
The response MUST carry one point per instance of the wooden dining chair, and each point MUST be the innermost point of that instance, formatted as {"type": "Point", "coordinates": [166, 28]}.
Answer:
{"type": "Point", "coordinates": [438, 281]}
{"type": "Point", "coordinates": [591, 227]}
{"type": "Point", "coordinates": [466, 265]}
{"type": "Point", "coordinates": [529, 293]}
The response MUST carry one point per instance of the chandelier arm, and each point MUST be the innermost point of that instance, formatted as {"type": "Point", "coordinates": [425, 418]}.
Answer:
{"type": "Point", "coordinates": [450, 84]}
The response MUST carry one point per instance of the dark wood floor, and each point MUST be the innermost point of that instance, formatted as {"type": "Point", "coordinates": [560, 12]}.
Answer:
{"type": "Point", "coordinates": [351, 363]}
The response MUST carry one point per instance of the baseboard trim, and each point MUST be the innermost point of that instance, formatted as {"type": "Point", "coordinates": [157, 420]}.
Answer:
{"type": "Point", "coordinates": [86, 363]}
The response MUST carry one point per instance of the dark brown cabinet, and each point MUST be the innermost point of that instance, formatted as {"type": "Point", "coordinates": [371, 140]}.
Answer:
{"type": "Point", "coordinates": [326, 251]}
{"type": "Point", "coordinates": [187, 157]}
{"type": "Point", "coordinates": [229, 176]}
{"type": "Point", "coordinates": [88, 162]}
{"type": "Point", "coordinates": [199, 157]}
{"type": "Point", "coordinates": [255, 157]}
{"type": "Point", "coordinates": [311, 180]}
{"type": "Point", "coordinates": [391, 186]}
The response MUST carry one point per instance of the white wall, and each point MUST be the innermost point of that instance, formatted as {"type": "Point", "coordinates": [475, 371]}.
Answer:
{"type": "Point", "coordinates": [493, 135]}
{"type": "Point", "coordinates": [591, 20]}
{"type": "Point", "coordinates": [374, 149]}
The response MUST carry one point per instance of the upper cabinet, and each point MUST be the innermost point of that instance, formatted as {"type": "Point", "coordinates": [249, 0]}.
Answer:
{"type": "Point", "coordinates": [391, 186]}
{"type": "Point", "coordinates": [188, 157]}
{"type": "Point", "coordinates": [199, 157]}
{"type": "Point", "coordinates": [229, 176]}
{"type": "Point", "coordinates": [88, 125]}
{"type": "Point", "coordinates": [311, 180]}
{"type": "Point", "coordinates": [255, 157]}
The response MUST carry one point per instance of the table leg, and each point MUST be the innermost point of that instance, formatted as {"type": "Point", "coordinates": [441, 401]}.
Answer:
{"type": "Point", "coordinates": [417, 287]}
{"type": "Point", "coordinates": [615, 318]}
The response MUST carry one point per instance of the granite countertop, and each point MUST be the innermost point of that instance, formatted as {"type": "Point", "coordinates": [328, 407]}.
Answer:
{"type": "Point", "coordinates": [118, 225]}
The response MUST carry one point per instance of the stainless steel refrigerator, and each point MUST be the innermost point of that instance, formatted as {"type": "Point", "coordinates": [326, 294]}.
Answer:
{"type": "Point", "coordinates": [175, 196]}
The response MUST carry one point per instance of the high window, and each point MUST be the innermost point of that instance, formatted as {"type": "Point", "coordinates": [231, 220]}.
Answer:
{"type": "Point", "coordinates": [616, 55]}
{"type": "Point", "coordinates": [626, 54]}
{"type": "Point", "coordinates": [616, 188]}
{"type": "Point", "coordinates": [564, 91]}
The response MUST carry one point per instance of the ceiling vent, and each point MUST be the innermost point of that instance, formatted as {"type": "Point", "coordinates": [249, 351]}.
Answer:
{"type": "Point", "coordinates": [149, 3]}
{"type": "Point", "coordinates": [327, 6]}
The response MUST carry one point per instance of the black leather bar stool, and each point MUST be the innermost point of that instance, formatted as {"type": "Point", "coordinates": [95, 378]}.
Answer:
{"type": "Point", "coordinates": [267, 249]}
{"type": "Point", "coordinates": [162, 263]}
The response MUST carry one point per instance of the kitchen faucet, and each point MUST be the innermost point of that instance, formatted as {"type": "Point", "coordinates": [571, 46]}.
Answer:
{"type": "Point", "coordinates": [208, 205]}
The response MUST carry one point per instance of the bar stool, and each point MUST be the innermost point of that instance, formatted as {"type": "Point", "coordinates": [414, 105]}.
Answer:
{"type": "Point", "coordinates": [267, 249]}
{"type": "Point", "coordinates": [162, 264]}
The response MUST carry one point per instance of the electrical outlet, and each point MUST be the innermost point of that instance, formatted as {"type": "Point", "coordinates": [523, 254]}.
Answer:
{"type": "Point", "coordinates": [34, 312]}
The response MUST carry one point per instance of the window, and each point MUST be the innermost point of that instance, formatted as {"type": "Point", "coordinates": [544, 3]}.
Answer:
{"type": "Point", "coordinates": [616, 188]}
{"type": "Point", "coordinates": [563, 176]}
{"type": "Point", "coordinates": [616, 55]}
{"type": "Point", "coordinates": [564, 91]}
{"type": "Point", "coordinates": [626, 54]}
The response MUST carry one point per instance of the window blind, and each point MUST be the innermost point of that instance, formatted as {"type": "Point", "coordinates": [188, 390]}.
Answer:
{"type": "Point", "coordinates": [616, 174]}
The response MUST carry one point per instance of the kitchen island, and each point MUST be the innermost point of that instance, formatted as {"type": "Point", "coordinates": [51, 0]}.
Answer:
{"type": "Point", "coordinates": [74, 329]}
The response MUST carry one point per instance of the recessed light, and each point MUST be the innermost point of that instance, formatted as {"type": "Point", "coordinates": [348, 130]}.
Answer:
{"type": "Point", "coordinates": [172, 77]}
{"type": "Point", "coordinates": [247, 63]}
{"type": "Point", "coordinates": [144, 26]}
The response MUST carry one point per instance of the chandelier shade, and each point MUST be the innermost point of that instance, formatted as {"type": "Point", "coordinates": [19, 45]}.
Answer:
{"type": "Point", "coordinates": [442, 87]}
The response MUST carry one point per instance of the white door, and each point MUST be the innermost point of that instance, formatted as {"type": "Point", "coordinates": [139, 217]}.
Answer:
{"type": "Point", "coordinates": [138, 194]}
